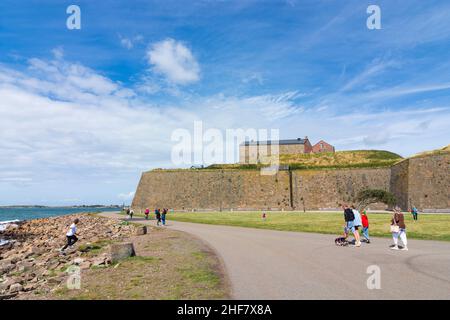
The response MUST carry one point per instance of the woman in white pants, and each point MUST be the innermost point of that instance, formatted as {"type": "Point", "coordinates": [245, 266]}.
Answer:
{"type": "Point", "coordinates": [398, 221]}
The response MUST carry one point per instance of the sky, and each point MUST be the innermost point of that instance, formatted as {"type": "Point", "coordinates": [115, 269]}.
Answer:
{"type": "Point", "coordinates": [83, 112]}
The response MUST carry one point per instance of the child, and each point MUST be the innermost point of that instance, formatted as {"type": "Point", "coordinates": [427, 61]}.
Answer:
{"type": "Point", "coordinates": [71, 235]}
{"type": "Point", "coordinates": [147, 212]}
{"type": "Point", "coordinates": [264, 216]}
{"type": "Point", "coordinates": [365, 225]}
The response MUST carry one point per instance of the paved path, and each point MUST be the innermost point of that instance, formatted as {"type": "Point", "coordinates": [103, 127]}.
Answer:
{"type": "Point", "coordinates": [266, 264]}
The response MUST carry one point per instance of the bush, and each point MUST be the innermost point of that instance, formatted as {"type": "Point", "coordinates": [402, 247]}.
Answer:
{"type": "Point", "coordinates": [368, 196]}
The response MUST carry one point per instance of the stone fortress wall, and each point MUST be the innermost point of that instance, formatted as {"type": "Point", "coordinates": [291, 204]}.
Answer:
{"type": "Point", "coordinates": [421, 181]}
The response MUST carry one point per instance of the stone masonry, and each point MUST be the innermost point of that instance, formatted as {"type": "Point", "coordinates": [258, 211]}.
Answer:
{"type": "Point", "coordinates": [421, 181]}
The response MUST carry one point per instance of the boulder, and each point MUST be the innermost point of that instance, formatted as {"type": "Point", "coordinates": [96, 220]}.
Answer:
{"type": "Point", "coordinates": [5, 268]}
{"type": "Point", "coordinates": [120, 251]}
{"type": "Point", "coordinates": [7, 296]}
{"type": "Point", "coordinates": [78, 261]}
{"type": "Point", "coordinates": [24, 265]}
{"type": "Point", "coordinates": [140, 230]}
{"type": "Point", "coordinates": [16, 287]}
{"type": "Point", "coordinates": [29, 287]}
{"type": "Point", "coordinates": [12, 226]}
{"type": "Point", "coordinates": [99, 262]}
{"type": "Point", "coordinates": [5, 285]}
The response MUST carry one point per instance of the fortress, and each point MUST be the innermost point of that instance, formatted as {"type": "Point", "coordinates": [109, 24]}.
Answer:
{"type": "Point", "coordinates": [422, 181]}
{"type": "Point", "coordinates": [255, 151]}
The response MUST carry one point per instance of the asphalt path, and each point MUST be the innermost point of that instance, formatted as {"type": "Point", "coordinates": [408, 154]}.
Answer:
{"type": "Point", "coordinates": [268, 264]}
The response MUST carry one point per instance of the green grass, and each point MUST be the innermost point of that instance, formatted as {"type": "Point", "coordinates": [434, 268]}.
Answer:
{"type": "Point", "coordinates": [175, 266]}
{"type": "Point", "coordinates": [429, 227]}
{"type": "Point", "coordinates": [352, 159]}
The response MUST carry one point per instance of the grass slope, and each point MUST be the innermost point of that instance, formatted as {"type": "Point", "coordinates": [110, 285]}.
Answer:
{"type": "Point", "coordinates": [444, 150]}
{"type": "Point", "coordinates": [431, 227]}
{"type": "Point", "coordinates": [337, 160]}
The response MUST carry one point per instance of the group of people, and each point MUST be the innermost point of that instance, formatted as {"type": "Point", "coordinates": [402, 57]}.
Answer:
{"type": "Point", "coordinates": [160, 215]}
{"type": "Point", "coordinates": [354, 221]}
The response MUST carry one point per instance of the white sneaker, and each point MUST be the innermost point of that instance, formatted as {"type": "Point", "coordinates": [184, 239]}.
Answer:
{"type": "Point", "coordinates": [358, 244]}
{"type": "Point", "coordinates": [394, 248]}
{"type": "Point", "coordinates": [404, 249]}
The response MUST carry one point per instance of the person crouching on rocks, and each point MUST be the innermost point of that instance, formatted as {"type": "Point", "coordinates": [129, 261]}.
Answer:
{"type": "Point", "coordinates": [71, 235]}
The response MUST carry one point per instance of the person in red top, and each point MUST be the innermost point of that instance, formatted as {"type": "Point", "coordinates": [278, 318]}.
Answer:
{"type": "Point", "coordinates": [365, 224]}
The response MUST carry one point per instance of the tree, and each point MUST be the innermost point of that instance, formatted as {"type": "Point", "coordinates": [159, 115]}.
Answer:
{"type": "Point", "coordinates": [369, 196]}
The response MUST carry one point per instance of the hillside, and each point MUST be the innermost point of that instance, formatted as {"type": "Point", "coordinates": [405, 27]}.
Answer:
{"type": "Point", "coordinates": [444, 150]}
{"type": "Point", "coordinates": [340, 159]}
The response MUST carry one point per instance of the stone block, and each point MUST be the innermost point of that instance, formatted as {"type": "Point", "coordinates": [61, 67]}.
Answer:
{"type": "Point", "coordinates": [120, 251]}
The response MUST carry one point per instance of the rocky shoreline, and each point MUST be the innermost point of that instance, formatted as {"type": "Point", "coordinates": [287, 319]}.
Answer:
{"type": "Point", "coordinates": [31, 264]}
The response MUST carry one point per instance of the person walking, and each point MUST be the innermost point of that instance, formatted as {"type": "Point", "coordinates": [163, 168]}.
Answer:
{"type": "Point", "coordinates": [158, 216]}
{"type": "Point", "coordinates": [398, 229]}
{"type": "Point", "coordinates": [365, 226]}
{"type": "Point", "coordinates": [357, 223]}
{"type": "Point", "coordinates": [146, 212]}
{"type": "Point", "coordinates": [131, 213]}
{"type": "Point", "coordinates": [71, 235]}
{"type": "Point", "coordinates": [349, 218]}
{"type": "Point", "coordinates": [163, 216]}
{"type": "Point", "coordinates": [415, 213]}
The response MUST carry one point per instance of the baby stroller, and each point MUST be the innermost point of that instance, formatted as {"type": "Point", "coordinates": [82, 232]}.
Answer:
{"type": "Point", "coordinates": [341, 242]}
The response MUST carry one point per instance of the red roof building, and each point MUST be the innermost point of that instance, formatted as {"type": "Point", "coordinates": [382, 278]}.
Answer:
{"type": "Point", "coordinates": [322, 146]}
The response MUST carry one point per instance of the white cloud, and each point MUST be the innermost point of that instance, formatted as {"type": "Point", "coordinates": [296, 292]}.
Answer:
{"type": "Point", "coordinates": [129, 43]}
{"type": "Point", "coordinates": [174, 61]}
{"type": "Point", "coordinates": [374, 69]}
{"type": "Point", "coordinates": [69, 132]}
{"type": "Point", "coordinates": [58, 53]}
{"type": "Point", "coordinates": [255, 76]}
{"type": "Point", "coordinates": [126, 196]}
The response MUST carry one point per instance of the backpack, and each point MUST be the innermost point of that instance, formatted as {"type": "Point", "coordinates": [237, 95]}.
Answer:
{"type": "Point", "coordinates": [349, 215]}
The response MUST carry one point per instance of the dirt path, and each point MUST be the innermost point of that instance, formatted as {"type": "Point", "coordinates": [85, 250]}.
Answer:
{"type": "Point", "coordinates": [266, 264]}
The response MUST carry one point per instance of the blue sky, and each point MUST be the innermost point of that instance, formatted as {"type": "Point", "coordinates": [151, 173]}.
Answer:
{"type": "Point", "coordinates": [84, 112]}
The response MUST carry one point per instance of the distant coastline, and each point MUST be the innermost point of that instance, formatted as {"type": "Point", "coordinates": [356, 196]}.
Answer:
{"type": "Point", "coordinates": [28, 212]}
{"type": "Point", "coordinates": [74, 206]}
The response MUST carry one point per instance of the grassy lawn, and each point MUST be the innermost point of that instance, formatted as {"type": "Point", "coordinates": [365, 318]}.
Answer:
{"type": "Point", "coordinates": [431, 227]}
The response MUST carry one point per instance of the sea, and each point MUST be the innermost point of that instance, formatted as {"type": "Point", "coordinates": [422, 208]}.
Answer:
{"type": "Point", "coordinates": [14, 214]}
{"type": "Point", "coordinates": [28, 213]}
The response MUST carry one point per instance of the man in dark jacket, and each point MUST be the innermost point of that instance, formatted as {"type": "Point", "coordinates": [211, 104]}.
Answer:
{"type": "Point", "coordinates": [349, 218]}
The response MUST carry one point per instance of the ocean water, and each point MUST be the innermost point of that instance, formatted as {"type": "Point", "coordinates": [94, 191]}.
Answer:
{"type": "Point", "coordinates": [24, 213]}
